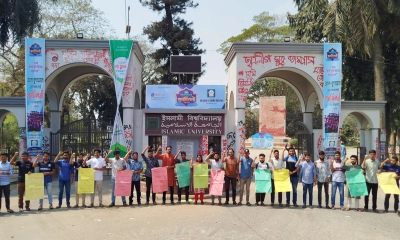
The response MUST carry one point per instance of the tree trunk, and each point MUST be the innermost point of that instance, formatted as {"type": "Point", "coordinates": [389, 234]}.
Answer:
{"type": "Point", "coordinates": [379, 80]}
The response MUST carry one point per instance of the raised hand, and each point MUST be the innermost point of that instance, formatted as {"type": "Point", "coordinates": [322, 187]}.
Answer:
{"type": "Point", "coordinates": [60, 153]}
{"type": "Point", "coordinates": [16, 154]}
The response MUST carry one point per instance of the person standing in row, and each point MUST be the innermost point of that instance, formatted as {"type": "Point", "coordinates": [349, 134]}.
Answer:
{"type": "Point", "coordinates": [65, 177]}
{"type": "Point", "coordinates": [151, 163]}
{"type": "Point", "coordinates": [198, 191]}
{"type": "Point", "coordinates": [231, 175]}
{"type": "Point", "coordinates": [78, 165]}
{"type": "Point", "coordinates": [246, 174]}
{"type": "Point", "coordinates": [117, 164]}
{"type": "Point", "coordinates": [290, 161]}
{"type": "Point", "coordinates": [323, 177]}
{"type": "Point", "coordinates": [216, 165]}
{"type": "Point", "coordinates": [391, 165]}
{"type": "Point", "coordinates": [276, 164]}
{"type": "Point", "coordinates": [48, 169]}
{"type": "Point", "coordinates": [136, 167]}
{"type": "Point", "coordinates": [99, 165]}
{"type": "Point", "coordinates": [24, 167]}
{"type": "Point", "coordinates": [178, 161]}
{"type": "Point", "coordinates": [5, 171]}
{"type": "Point", "coordinates": [168, 161]}
{"type": "Point", "coordinates": [263, 165]}
{"type": "Point", "coordinates": [370, 168]}
{"type": "Point", "coordinates": [352, 167]}
{"type": "Point", "coordinates": [308, 178]}
{"type": "Point", "coordinates": [337, 180]}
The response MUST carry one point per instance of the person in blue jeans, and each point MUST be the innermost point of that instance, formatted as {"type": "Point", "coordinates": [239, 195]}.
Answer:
{"type": "Point", "coordinates": [291, 161]}
{"type": "Point", "coordinates": [65, 177]}
{"type": "Point", "coordinates": [337, 180]}
{"type": "Point", "coordinates": [308, 178]}
{"type": "Point", "coordinates": [48, 169]}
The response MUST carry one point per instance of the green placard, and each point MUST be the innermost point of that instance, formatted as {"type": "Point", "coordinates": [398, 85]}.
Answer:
{"type": "Point", "coordinates": [183, 174]}
{"type": "Point", "coordinates": [356, 183]}
{"type": "Point", "coordinates": [263, 181]}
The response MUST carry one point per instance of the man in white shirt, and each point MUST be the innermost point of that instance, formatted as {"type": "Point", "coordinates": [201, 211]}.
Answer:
{"type": "Point", "coordinates": [117, 164]}
{"type": "Point", "coordinates": [337, 180]}
{"type": "Point", "coordinates": [99, 165]}
{"type": "Point", "coordinates": [275, 163]}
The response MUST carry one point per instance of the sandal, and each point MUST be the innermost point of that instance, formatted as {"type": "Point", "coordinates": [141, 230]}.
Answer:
{"type": "Point", "coordinates": [50, 206]}
{"type": "Point", "coordinates": [347, 209]}
{"type": "Point", "coordinates": [40, 208]}
{"type": "Point", "coordinates": [359, 210]}
{"type": "Point", "coordinates": [10, 211]}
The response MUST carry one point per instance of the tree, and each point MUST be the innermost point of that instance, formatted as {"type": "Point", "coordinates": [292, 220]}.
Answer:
{"type": "Point", "coordinates": [176, 36]}
{"type": "Point", "coordinates": [266, 28]}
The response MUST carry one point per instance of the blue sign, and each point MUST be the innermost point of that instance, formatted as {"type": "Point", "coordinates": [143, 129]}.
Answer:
{"type": "Point", "coordinates": [185, 96]}
{"type": "Point", "coordinates": [332, 95]}
{"type": "Point", "coordinates": [34, 89]}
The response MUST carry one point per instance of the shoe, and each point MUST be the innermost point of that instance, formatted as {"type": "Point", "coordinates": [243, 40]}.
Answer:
{"type": "Point", "coordinates": [386, 211]}
{"type": "Point", "coordinates": [262, 204]}
{"type": "Point", "coordinates": [248, 204]}
{"type": "Point", "coordinates": [179, 202]}
{"type": "Point", "coordinates": [295, 205]}
{"type": "Point", "coordinates": [139, 203]}
{"type": "Point", "coordinates": [10, 210]}
{"type": "Point", "coordinates": [272, 204]}
{"type": "Point", "coordinates": [50, 206]}
{"type": "Point", "coordinates": [76, 206]}
{"type": "Point", "coordinates": [146, 203]}
{"type": "Point", "coordinates": [195, 202]}
{"type": "Point", "coordinates": [257, 204]}
{"type": "Point", "coordinates": [234, 203]}
{"type": "Point", "coordinates": [172, 203]}
{"type": "Point", "coordinates": [304, 206]}
{"type": "Point", "coordinates": [288, 204]}
{"type": "Point", "coordinates": [333, 207]}
{"type": "Point", "coordinates": [130, 204]}
{"type": "Point", "coordinates": [365, 210]}
{"type": "Point", "coordinates": [226, 203]}
{"type": "Point", "coordinates": [376, 211]}
{"type": "Point", "coordinates": [21, 210]}
{"type": "Point", "coordinates": [111, 205]}
{"type": "Point", "coordinates": [280, 205]}
{"type": "Point", "coordinates": [187, 202]}
{"type": "Point", "coordinates": [212, 203]}
{"type": "Point", "coordinates": [91, 205]}
{"type": "Point", "coordinates": [101, 205]}
{"type": "Point", "coordinates": [342, 208]}
{"type": "Point", "coordinates": [239, 204]}
{"type": "Point", "coordinates": [219, 203]}
{"type": "Point", "coordinates": [68, 206]}
{"type": "Point", "coordinates": [163, 203]}
{"type": "Point", "coordinates": [40, 208]}
{"type": "Point", "coordinates": [154, 203]}
{"type": "Point", "coordinates": [327, 207]}
{"type": "Point", "coordinates": [84, 205]}
{"type": "Point", "coordinates": [202, 203]}
{"type": "Point", "coordinates": [319, 206]}
{"type": "Point", "coordinates": [358, 210]}
{"type": "Point", "coordinates": [311, 207]}
{"type": "Point", "coordinates": [28, 209]}
{"type": "Point", "coordinates": [125, 205]}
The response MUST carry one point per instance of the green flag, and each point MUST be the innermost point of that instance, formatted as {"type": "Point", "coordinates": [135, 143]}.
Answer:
{"type": "Point", "coordinates": [120, 51]}
{"type": "Point", "coordinates": [263, 181]}
{"type": "Point", "coordinates": [183, 173]}
{"type": "Point", "coordinates": [200, 176]}
{"type": "Point", "coordinates": [356, 183]}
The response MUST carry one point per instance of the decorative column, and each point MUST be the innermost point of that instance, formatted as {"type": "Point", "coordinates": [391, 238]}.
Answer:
{"type": "Point", "coordinates": [240, 131]}
{"type": "Point", "coordinates": [308, 120]}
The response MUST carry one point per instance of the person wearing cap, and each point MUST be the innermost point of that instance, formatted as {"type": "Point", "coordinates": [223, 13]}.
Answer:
{"type": "Point", "coordinates": [290, 161]}
{"type": "Point", "coordinates": [337, 180]}
{"type": "Point", "coordinates": [246, 173]}
{"type": "Point", "coordinates": [278, 164]}
{"type": "Point", "coordinates": [151, 162]}
{"type": "Point", "coordinates": [178, 161]}
{"type": "Point", "coordinates": [323, 177]}
{"type": "Point", "coordinates": [231, 175]}
{"type": "Point", "coordinates": [117, 164]}
{"type": "Point", "coordinates": [391, 165]}
{"type": "Point", "coordinates": [352, 167]}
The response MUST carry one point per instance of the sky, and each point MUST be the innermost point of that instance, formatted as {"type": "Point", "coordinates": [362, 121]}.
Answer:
{"type": "Point", "coordinates": [214, 21]}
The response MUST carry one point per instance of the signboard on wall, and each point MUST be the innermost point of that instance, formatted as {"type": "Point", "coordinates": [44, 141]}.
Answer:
{"type": "Point", "coordinates": [273, 116]}
{"type": "Point", "coordinates": [185, 145]}
{"type": "Point", "coordinates": [185, 96]}
{"type": "Point", "coordinates": [184, 124]}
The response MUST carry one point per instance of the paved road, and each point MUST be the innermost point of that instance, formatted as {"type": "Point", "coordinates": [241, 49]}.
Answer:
{"type": "Point", "coordinates": [195, 222]}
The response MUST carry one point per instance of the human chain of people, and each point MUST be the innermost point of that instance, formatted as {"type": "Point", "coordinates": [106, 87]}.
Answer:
{"type": "Point", "coordinates": [279, 174]}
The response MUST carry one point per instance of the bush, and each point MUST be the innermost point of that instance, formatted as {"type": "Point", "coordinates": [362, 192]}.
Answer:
{"type": "Point", "coordinates": [293, 141]}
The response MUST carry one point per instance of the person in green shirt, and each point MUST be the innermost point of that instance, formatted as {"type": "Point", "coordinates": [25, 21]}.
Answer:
{"type": "Point", "coordinates": [353, 166]}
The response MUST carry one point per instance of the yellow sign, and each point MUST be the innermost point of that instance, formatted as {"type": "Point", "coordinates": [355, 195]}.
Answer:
{"type": "Point", "coordinates": [282, 181]}
{"type": "Point", "coordinates": [34, 186]}
{"type": "Point", "coordinates": [85, 180]}
{"type": "Point", "coordinates": [388, 183]}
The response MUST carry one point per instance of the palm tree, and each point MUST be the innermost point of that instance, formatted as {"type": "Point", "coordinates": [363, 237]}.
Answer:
{"type": "Point", "coordinates": [359, 24]}
{"type": "Point", "coordinates": [18, 18]}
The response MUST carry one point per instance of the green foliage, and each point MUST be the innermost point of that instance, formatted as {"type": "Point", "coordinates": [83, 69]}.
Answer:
{"type": "Point", "coordinates": [252, 121]}
{"type": "Point", "coordinates": [176, 36]}
{"type": "Point", "coordinates": [293, 141]}
{"type": "Point", "coordinates": [10, 132]}
{"type": "Point", "coordinates": [350, 132]}
{"type": "Point", "coordinates": [266, 28]}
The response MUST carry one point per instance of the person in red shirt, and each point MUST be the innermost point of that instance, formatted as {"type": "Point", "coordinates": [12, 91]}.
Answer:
{"type": "Point", "coordinates": [168, 161]}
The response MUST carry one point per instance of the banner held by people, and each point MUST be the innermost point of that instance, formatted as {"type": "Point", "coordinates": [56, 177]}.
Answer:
{"type": "Point", "coordinates": [160, 179]}
{"type": "Point", "coordinates": [282, 181]}
{"type": "Point", "coordinates": [183, 174]}
{"type": "Point", "coordinates": [356, 183]}
{"type": "Point", "coordinates": [86, 181]}
{"type": "Point", "coordinates": [217, 182]}
{"type": "Point", "coordinates": [34, 185]}
{"type": "Point", "coordinates": [123, 182]}
{"type": "Point", "coordinates": [388, 183]}
{"type": "Point", "coordinates": [200, 176]}
{"type": "Point", "coordinates": [263, 181]}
